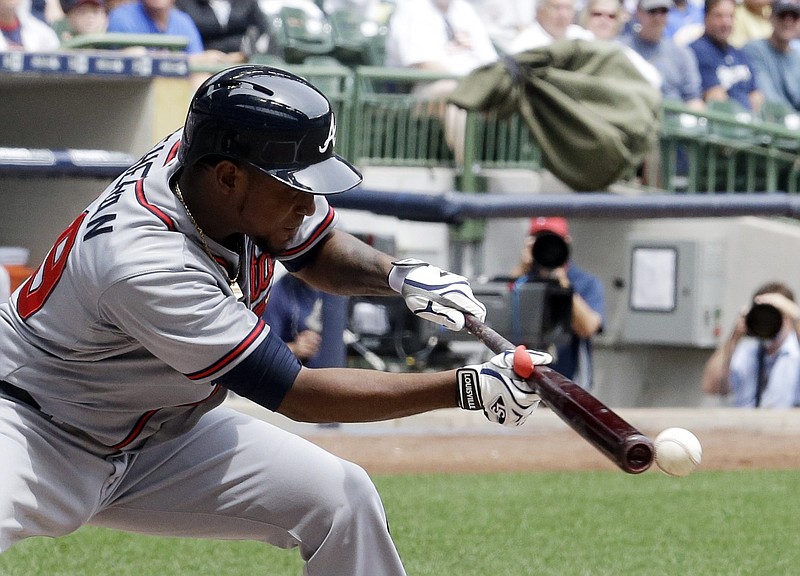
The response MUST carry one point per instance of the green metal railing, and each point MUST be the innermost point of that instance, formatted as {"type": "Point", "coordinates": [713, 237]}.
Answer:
{"type": "Point", "coordinates": [387, 117]}
{"type": "Point", "coordinates": [727, 151]}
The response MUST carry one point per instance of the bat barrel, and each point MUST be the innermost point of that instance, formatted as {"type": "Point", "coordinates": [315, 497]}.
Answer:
{"type": "Point", "coordinates": [623, 444]}
{"type": "Point", "coordinates": [636, 454]}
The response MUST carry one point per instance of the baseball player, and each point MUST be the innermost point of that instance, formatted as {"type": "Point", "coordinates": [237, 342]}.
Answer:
{"type": "Point", "coordinates": [116, 355]}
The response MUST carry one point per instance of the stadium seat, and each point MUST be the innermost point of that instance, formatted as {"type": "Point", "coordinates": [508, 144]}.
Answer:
{"type": "Point", "coordinates": [297, 29]}
{"type": "Point", "coordinates": [357, 39]}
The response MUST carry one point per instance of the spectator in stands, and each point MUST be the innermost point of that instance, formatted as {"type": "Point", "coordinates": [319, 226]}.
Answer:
{"type": "Point", "coordinates": [603, 18]}
{"type": "Point", "coordinates": [20, 30]}
{"type": "Point", "coordinates": [760, 372]}
{"type": "Point", "coordinates": [48, 11]}
{"type": "Point", "coordinates": [750, 22]}
{"type": "Point", "coordinates": [684, 15]}
{"type": "Point", "coordinates": [155, 17]}
{"type": "Point", "coordinates": [504, 19]}
{"type": "Point", "coordinates": [231, 31]}
{"type": "Point", "coordinates": [440, 35]}
{"type": "Point", "coordinates": [311, 322]}
{"type": "Point", "coordinates": [677, 64]}
{"type": "Point", "coordinates": [554, 21]}
{"type": "Point", "coordinates": [725, 72]}
{"type": "Point", "coordinates": [444, 36]}
{"type": "Point", "coordinates": [81, 17]}
{"type": "Point", "coordinates": [573, 360]}
{"type": "Point", "coordinates": [295, 314]}
{"type": "Point", "coordinates": [775, 61]}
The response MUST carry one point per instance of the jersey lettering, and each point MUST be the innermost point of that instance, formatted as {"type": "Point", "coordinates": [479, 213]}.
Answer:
{"type": "Point", "coordinates": [142, 167]}
{"type": "Point", "coordinates": [36, 289]}
{"type": "Point", "coordinates": [95, 227]}
{"type": "Point", "coordinates": [113, 197]}
{"type": "Point", "coordinates": [261, 269]}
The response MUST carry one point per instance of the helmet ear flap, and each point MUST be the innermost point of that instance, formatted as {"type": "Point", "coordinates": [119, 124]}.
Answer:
{"type": "Point", "coordinates": [272, 119]}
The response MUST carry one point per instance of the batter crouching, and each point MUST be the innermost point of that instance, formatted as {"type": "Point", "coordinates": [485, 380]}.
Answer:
{"type": "Point", "coordinates": [117, 354]}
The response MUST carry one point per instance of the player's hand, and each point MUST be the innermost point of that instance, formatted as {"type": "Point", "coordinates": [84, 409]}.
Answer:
{"type": "Point", "coordinates": [494, 387]}
{"type": "Point", "coordinates": [435, 294]}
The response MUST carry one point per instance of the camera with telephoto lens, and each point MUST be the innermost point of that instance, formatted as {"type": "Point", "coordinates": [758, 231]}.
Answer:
{"type": "Point", "coordinates": [763, 321]}
{"type": "Point", "coordinates": [550, 251]}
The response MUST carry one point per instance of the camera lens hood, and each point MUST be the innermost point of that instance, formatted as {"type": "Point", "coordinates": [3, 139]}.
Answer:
{"type": "Point", "coordinates": [550, 251]}
{"type": "Point", "coordinates": [763, 321]}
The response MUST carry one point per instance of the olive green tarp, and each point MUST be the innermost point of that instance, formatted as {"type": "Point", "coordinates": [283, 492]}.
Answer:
{"type": "Point", "coordinates": [592, 113]}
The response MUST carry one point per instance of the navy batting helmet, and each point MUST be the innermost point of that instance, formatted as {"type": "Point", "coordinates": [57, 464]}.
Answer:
{"type": "Point", "coordinates": [274, 120]}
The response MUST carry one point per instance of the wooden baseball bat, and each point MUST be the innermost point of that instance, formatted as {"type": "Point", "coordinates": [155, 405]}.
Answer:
{"type": "Point", "coordinates": [604, 429]}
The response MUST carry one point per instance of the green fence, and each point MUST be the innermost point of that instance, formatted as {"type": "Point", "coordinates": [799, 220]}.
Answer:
{"type": "Point", "coordinates": [396, 117]}
{"type": "Point", "coordinates": [725, 149]}
{"type": "Point", "coordinates": [403, 119]}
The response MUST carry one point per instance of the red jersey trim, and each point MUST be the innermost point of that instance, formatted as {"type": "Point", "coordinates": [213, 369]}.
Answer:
{"type": "Point", "coordinates": [145, 418]}
{"type": "Point", "coordinates": [152, 208]}
{"type": "Point", "coordinates": [172, 152]}
{"type": "Point", "coordinates": [232, 355]}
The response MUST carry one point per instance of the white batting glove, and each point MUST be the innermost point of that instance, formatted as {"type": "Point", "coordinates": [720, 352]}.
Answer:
{"type": "Point", "coordinates": [505, 397]}
{"type": "Point", "coordinates": [435, 294]}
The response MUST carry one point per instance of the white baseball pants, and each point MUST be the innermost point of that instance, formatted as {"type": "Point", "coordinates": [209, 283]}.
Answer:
{"type": "Point", "coordinates": [230, 477]}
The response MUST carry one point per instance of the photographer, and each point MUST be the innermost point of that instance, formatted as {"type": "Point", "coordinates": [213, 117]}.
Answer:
{"type": "Point", "coordinates": [545, 255]}
{"type": "Point", "coordinates": [759, 363]}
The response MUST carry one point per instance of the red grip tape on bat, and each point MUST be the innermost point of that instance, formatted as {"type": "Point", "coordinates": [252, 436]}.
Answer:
{"type": "Point", "coordinates": [523, 363]}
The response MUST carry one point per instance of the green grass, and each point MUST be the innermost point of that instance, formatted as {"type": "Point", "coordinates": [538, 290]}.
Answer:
{"type": "Point", "coordinates": [566, 524]}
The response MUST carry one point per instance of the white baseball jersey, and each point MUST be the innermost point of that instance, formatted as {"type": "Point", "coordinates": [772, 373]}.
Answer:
{"type": "Point", "coordinates": [127, 324]}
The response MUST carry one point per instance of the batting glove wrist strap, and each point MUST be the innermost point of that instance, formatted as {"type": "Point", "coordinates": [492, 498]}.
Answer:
{"type": "Point", "coordinates": [494, 387]}
{"type": "Point", "coordinates": [469, 390]}
{"type": "Point", "coordinates": [399, 271]}
{"type": "Point", "coordinates": [435, 294]}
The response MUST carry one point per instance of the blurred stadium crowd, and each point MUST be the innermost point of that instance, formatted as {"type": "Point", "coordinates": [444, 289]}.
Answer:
{"type": "Point", "coordinates": [744, 53]}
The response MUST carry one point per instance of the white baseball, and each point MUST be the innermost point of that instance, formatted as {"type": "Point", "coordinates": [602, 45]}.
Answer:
{"type": "Point", "coordinates": [678, 451]}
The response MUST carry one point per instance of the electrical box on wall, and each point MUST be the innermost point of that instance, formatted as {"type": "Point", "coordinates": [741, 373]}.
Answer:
{"type": "Point", "coordinates": [674, 292]}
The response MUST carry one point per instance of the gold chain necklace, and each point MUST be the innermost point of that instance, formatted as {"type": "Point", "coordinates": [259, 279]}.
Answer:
{"type": "Point", "coordinates": [231, 281]}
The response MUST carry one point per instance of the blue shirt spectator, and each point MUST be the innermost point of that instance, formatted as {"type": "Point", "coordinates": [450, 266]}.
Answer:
{"type": "Point", "coordinates": [775, 61]}
{"type": "Point", "coordinates": [574, 359]}
{"type": "Point", "coordinates": [578, 352]}
{"type": "Point", "coordinates": [141, 18]}
{"type": "Point", "coordinates": [725, 71]}
{"type": "Point", "coordinates": [683, 13]}
{"type": "Point", "coordinates": [677, 64]}
{"type": "Point", "coordinates": [309, 321]}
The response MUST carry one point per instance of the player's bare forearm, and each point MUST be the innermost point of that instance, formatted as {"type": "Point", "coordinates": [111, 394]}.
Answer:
{"type": "Point", "coordinates": [346, 265]}
{"type": "Point", "coordinates": [353, 395]}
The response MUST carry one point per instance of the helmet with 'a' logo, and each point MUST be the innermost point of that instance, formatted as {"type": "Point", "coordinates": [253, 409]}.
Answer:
{"type": "Point", "coordinates": [274, 120]}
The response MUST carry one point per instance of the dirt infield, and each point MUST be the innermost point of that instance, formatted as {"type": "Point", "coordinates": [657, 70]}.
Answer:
{"type": "Point", "coordinates": [458, 441]}
{"type": "Point", "coordinates": [550, 451]}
